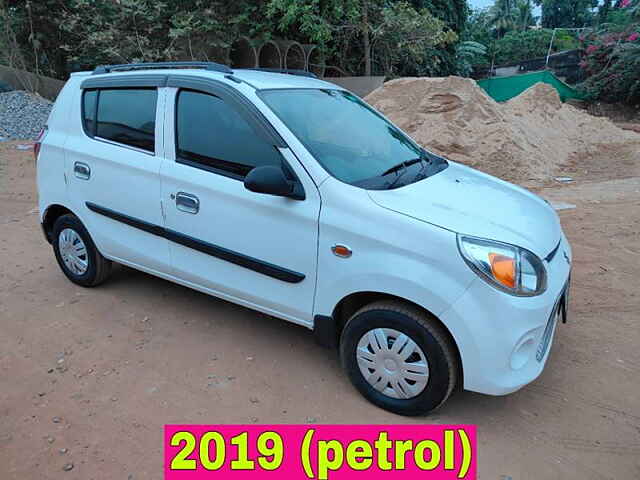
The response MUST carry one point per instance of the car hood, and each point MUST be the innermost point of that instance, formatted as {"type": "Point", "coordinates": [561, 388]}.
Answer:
{"type": "Point", "coordinates": [473, 203]}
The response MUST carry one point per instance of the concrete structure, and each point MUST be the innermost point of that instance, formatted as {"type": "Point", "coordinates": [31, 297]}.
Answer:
{"type": "Point", "coordinates": [243, 54]}
{"type": "Point", "coordinates": [269, 55]}
{"type": "Point", "coordinates": [20, 80]}
{"type": "Point", "coordinates": [293, 55]}
{"type": "Point", "coordinates": [315, 60]}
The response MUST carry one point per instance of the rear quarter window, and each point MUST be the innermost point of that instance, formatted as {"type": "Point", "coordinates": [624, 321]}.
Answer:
{"type": "Point", "coordinates": [122, 115]}
{"type": "Point", "coordinates": [89, 111]}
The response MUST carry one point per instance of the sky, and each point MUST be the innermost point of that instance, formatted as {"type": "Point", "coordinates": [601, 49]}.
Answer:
{"type": "Point", "coordinates": [480, 3]}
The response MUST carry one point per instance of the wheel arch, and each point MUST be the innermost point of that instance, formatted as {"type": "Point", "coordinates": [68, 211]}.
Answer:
{"type": "Point", "coordinates": [51, 214]}
{"type": "Point", "coordinates": [328, 329]}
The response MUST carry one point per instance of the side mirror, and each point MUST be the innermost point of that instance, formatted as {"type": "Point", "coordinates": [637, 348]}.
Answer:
{"type": "Point", "coordinates": [272, 180]}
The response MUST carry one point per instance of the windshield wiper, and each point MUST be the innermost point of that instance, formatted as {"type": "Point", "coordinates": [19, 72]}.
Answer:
{"type": "Point", "coordinates": [404, 167]}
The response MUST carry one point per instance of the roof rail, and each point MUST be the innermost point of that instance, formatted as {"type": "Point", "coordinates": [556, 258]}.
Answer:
{"type": "Point", "coordinates": [212, 66]}
{"type": "Point", "coordinates": [289, 71]}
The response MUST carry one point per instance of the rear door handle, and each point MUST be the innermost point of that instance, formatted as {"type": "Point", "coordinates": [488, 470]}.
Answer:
{"type": "Point", "coordinates": [188, 203]}
{"type": "Point", "coordinates": [82, 170]}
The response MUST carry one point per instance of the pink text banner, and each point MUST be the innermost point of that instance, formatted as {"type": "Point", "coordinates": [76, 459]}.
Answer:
{"type": "Point", "coordinates": [322, 452]}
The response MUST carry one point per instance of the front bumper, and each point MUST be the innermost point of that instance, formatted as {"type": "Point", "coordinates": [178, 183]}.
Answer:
{"type": "Point", "coordinates": [501, 338]}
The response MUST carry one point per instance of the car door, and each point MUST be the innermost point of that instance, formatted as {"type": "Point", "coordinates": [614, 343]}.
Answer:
{"type": "Point", "coordinates": [113, 161]}
{"type": "Point", "coordinates": [254, 249]}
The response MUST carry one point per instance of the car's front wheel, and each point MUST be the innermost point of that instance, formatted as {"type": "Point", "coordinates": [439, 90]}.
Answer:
{"type": "Point", "coordinates": [399, 357]}
{"type": "Point", "coordinates": [76, 253]}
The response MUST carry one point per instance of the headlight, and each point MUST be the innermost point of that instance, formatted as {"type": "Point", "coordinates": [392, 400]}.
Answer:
{"type": "Point", "coordinates": [512, 269]}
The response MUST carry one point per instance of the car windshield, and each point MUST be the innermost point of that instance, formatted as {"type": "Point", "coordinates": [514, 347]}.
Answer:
{"type": "Point", "coordinates": [350, 139]}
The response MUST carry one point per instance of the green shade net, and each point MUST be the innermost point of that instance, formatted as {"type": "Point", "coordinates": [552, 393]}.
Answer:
{"type": "Point", "coordinates": [502, 89]}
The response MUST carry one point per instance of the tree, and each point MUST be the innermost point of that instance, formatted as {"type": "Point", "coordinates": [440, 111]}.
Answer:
{"type": "Point", "coordinates": [104, 31]}
{"type": "Point", "coordinates": [503, 16]}
{"type": "Point", "coordinates": [524, 14]}
{"type": "Point", "coordinates": [360, 36]}
{"type": "Point", "coordinates": [443, 59]}
{"type": "Point", "coordinates": [453, 12]}
{"type": "Point", "coordinates": [32, 36]}
{"type": "Point", "coordinates": [478, 26]}
{"type": "Point", "coordinates": [567, 13]}
{"type": "Point", "coordinates": [352, 30]}
{"type": "Point", "coordinates": [407, 38]}
{"type": "Point", "coordinates": [469, 53]}
{"type": "Point", "coordinates": [603, 11]}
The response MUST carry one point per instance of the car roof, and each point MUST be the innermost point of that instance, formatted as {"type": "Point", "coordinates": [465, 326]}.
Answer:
{"type": "Point", "coordinates": [260, 80]}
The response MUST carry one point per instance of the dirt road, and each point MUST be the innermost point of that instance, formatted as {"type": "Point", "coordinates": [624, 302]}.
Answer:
{"type": "Point", "coordinates": [88, 378]}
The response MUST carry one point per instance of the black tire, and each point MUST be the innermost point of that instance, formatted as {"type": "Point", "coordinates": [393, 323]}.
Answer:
{"type": "Point", "coordinates": [426, 332]}
{"type": "Point", "coordinates": [98, 268]}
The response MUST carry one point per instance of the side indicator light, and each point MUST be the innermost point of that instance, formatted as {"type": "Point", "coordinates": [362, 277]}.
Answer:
{"type": "Point", "coordinates": [341, 251]}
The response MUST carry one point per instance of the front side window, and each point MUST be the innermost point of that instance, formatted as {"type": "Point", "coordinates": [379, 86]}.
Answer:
{"type": "Point", "coordinates": [126, 116]}
{"type": "Point", "coordinates": [213, 135]}
{"type": "Point", "coordinates": [351, 140]}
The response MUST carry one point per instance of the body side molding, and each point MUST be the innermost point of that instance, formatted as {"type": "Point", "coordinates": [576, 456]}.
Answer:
{"type": "Point", "coordinates": [222, 253]}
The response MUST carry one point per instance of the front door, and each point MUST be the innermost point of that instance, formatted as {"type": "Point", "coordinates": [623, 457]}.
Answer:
{"type": "Point", "coordinates": [250, 248]}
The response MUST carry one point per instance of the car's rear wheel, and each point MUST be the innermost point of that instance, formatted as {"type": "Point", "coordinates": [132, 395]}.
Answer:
{"type": "Point", "coordinates": [76, 253]}
{"type": "Point", "coordinates": [399, 357]}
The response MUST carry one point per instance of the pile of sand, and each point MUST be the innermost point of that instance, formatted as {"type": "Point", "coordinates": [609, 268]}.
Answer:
{"type": "Point", "coordinates": [526, 140]}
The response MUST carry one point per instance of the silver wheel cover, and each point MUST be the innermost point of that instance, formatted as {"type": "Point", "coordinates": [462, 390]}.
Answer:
{"type": "Point", "coordinates": [73, 251]}
{"type": "Point", "coordinates": [392, 363]}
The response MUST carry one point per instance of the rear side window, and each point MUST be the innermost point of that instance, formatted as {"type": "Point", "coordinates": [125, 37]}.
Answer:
{"type": "Point", "coordinates": [126, 116]}
{"type": "Point", "coordinates": [211, 134]}
{"type": "Point", "coordinates": [89, 111]}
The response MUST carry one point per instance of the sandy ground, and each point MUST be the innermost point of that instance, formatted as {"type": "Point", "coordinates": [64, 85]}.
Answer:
{"type": "Point", "coordinates": [89, 377]}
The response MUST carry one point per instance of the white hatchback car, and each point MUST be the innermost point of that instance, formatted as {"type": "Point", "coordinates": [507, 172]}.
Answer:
{"type": "Point", "coordinates": [291, 196]}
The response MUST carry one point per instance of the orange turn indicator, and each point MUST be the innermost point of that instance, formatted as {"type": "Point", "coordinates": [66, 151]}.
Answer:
{"type": "Point", "coordinates": [341, 251]}
{"type": "Point", "coordinates": [503, 269]}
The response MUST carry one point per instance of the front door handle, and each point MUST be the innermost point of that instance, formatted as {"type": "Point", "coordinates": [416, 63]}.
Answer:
{"type": "Point", "coordinates": [82, 170]}
{"type": "Point", "coordinates": [188, 203]}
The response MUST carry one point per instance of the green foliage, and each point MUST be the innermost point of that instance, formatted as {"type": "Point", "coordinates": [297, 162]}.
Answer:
{"type": "Point", "coordinates": [316, 21]}
{"type": "Point", "coordinates": [503, 16]}
{"type": "Point", "coordinates": [31, 35]}
{"type": "Point", "coordinates": [509, 15]}
{"type": "Point", "coordinates": [567, 14]}
{"type": "Point", "coordinates": [388, 36]}
{"type": "Point", "coordinates": [524, 15]}
{"type": "Point", "coordinates": [515, 46]}
{"type": "Point", "coordinates": [468, 54]}
{"type": "Point", "coordinates": [478, 27]}
{"type": "Point", "coordinates": [621, 17]}
{"type": "Point", "coordinates": [453, 12]}
{"type": "Point", "coordinates": [395, 36]}
{"type": "Point", "coordinates": [406, 39]}
{"type": "Point", "coordinates": [100, 31]}
{"type": "Point", "coordinates": [103, 31]}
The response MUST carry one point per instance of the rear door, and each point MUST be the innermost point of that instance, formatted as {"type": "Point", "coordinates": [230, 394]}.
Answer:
{"type": "Point", "coordinates": [113, 169]}
{"type": "Point", "coordinates": [253, 249]}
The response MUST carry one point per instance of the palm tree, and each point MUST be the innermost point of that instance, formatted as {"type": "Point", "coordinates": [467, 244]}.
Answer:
{"type": "Point", "coordinates": [503, 16]}
{"type": "Point", "coordinates": [466, 54]}
{"type": "Point", "coordinates": [524, 14]}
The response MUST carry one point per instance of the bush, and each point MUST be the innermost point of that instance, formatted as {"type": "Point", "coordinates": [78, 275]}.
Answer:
{"type": "Point", "coordinates": [612, 64]}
